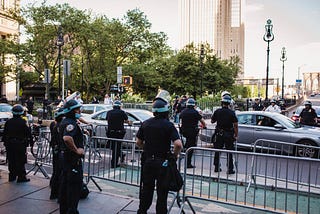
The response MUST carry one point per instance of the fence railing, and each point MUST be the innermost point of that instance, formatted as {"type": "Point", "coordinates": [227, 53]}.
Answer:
{"type": "Point", "coordinates": [272, 182]}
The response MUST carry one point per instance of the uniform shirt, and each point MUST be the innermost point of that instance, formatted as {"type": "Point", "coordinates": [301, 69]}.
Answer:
{"type": "Point", "coordinates": [16, 127]}
{"type": "Point", "coordinates": [225, 118]}
{"type": "Point", "coordinates": [257, 107]}
{"type": "Point", "coordinates": [274, 108]}
{"type": "Point", "coordinates": [70, 127]}
{"type": "Point", "coordinates": [157, 134]}
{"type": "Point", "coordinates": [308, 116]}
{"type": "Point", "coordinates": [116, 118]}
{"type": "Point", "coordinates": [190, 118]}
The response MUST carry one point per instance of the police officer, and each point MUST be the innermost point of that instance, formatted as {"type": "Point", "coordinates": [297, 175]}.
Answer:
{"type": "Point", "coordinates": [273, 107]}
{"type": "Point", "coordinates": [155, 136]}
{"type": "Point", "coordinates": [308, 115]}
{"type": "Point", "coordinates": [116, 119]}
{"type": "Point", "coordinates": [233, 103]}
{"type": "Point", "coordinates": [55, 144]}
{"type": "Point", "coordinates": [17, 137]}
{"type": "Point", "coordinates": [72, 150]}
{"type": "Point", "coordinates": [226, 132]}
{"type": "Point", "coordinates": [190, 118]}
{"type": "Point", "coordinates": [257, 106]}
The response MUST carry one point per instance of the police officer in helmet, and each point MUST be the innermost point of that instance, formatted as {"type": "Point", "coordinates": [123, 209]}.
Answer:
{"type": "Point", "coordinates": [17, 137]}
{"type": "Point", "coordinates": [226, 132]}
{"type": "Point", "coordinates": [72, 150]}
{"type": "Point", "coordinates": [190, 118]}
{"type": "Point", "coordinates": [155, 136]}
{"type": "Point", "coordinates": [308, 115]}
{"type": "Point", "coordinates": [116, 119]}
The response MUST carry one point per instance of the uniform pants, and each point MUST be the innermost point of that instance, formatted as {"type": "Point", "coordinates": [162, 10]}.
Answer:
{"type": "Point", "coordinates": [191, 141]}
{"type": "Point", "coordinates": [224, 139]}
{"type": "Point", "coordinates": [153, 172]}
{"type": "Point", "coordinates": [56, 173]}
{"type": "Point", "coordinates": [115, 146]}
{"type": "Point", "coordinates": [16, 154]}
{"type": "Point", "coordinates": [70, 188]}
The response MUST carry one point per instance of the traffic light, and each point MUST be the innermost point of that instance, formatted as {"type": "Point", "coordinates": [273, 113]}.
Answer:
{"type": "Point", "coordinates": [127, 80]}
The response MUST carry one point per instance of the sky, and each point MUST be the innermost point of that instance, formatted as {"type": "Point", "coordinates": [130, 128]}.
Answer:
{"type": "Point", "coordinates": [296, 26]}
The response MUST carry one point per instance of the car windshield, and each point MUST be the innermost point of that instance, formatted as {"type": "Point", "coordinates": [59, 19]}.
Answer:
{"type": "Point", "coordinates": [287, 121]}
{"type": "Point", "coordinates": [5, 108]}
{"type": "Point", "coordinates": [143, 115]}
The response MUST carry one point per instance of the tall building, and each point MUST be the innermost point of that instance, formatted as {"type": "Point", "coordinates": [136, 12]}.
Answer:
{"type": "Point", "coordinates": [219, 23]}
{"type": "Point", "coordinates": [9, 29]}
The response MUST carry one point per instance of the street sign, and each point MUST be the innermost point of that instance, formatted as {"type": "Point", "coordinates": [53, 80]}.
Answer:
{"type": "Point", "coordinates": [119, 74]}
{"type": "Point", "coordinates": [66, 67]}
{"type": "Point", "coordinates": [298, 81]}
{"type": "Point", "coordinates": [47, 78]}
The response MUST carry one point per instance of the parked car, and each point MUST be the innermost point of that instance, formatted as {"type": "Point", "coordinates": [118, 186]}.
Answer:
{"type": "Point", "coordinates": [89, 109]}
{"type": "Point", "coordinates": [137, 116]}
{"type": "Point", "coordinates": [295, 115]}
{"type": "Point", "coordinates": [255, 125]}
{"type": "Point", "coordinates": [5, 114]}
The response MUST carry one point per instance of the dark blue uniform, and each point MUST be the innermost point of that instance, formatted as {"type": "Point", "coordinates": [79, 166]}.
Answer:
{"type": "Point", "coordinates": [116, 118]}
{"type": "Point", "coordinates": [190, 119]}
{"type": "Point", "coordinates": [55, 144]}
{"type": "Point", "coordinates": [224, 134]}
{"type": "Point", "coordinates": [72, 175]}
{"type": "Point", "coordinates": [308, 117]}
{"type": "Point", "coordinates": [157, 133]}
{"type": "Point", "coordinates": [16, 138]}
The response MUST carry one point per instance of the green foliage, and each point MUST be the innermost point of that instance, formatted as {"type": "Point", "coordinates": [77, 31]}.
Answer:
{"type": "Point", "coordinates": [97, 45]}
{"type": "Point", "coordinates": [135, 98]}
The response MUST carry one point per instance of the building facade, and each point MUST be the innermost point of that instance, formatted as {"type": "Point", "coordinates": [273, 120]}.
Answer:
{"type": "Point", "coordinates": [220, 23]}
{"type": "Point", "coordinates": [9, 29]}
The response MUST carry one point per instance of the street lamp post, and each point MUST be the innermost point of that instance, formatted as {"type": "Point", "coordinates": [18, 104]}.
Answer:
{"type": "Point", "coordinates": [59, 43]}
{"type": "Point", "coordinates": [268, 37]}
{"type": "Point", "coordinates": [201, 67]}
{"type": "Point", "coordinates": [283, 59]}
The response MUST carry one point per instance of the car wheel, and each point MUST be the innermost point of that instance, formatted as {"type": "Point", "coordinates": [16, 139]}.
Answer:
{"type": "Point", "coordinates": [305, 151]}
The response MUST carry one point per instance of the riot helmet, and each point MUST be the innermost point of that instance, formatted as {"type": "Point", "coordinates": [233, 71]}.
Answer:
{"type": "Point", "coordinates": [226, 99]}
{"type": "Point", "coordinates": [17, 109]}
{"type": "Point", "coordinates": [190, 103]}
{"type": "Point", "coordinates": [117, 104]}
{"type": "Point", "coordinates": [307, 102]}
{"type": "Point", "coordinates": [160, 105]}
{"type": "Point", "coordinates": [225, 93]}
{"type": "Point", "coordinates": [71, 105]}
{"type": "Point", "coordinates": [59, 113]}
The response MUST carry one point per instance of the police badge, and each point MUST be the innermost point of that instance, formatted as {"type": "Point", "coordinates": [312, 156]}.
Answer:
{"type": "Point", "coordinates": [70, 128]}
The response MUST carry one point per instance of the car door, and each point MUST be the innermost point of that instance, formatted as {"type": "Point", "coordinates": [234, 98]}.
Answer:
{"type": "Point", "coordinates": [245, 123]}
{"type": "Point", "coordinates": [264, 129]}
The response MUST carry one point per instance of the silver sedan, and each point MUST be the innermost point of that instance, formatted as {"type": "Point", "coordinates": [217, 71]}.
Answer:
{"type": "Point", "coordinates": [270, 129]}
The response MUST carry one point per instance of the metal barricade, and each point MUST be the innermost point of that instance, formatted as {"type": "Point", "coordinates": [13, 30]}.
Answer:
{"type": "Point", "coordinates": [286, 149]}
{"type": "Point", "coordinates": [279, 193]}
{"type": "Point", "coordinates": [41, 152]}
{"type": "Point", "coordinates": [129, 171]}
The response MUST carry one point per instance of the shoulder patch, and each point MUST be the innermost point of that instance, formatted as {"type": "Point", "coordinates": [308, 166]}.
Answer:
{"type": "Point", "coordinates": [70, 128]}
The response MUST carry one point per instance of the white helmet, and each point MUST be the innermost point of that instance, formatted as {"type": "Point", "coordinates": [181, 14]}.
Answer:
{"type": "Point", "coordinates": [225, 93]}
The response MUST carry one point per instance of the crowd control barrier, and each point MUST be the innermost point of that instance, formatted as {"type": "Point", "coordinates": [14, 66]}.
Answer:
{"type": "Point", "coordinates": [282, 192]}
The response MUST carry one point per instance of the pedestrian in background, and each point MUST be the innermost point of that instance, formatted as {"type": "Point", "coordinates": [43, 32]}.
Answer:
{"type": "Point", "coordinates": [4, 99]}
{"type": "Point", "coordinates": [308, 115]}
{"type": "Point", "coordinates": [226, 133]}
{"type": "Point", "coordinates": [116, 119]}
{"type": "Point", "coordinates": [30, 105]}
{"type": "Point", "coordinates": [107, 100]}
{"type": "Point", "coordinates": [190, 119]}
{"type": "Point", "coordinates": [155, 136]}
{"type": "Point", "coordinates": [17, 137]}
{"type": "Point", "coordinates": [73, 150]}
